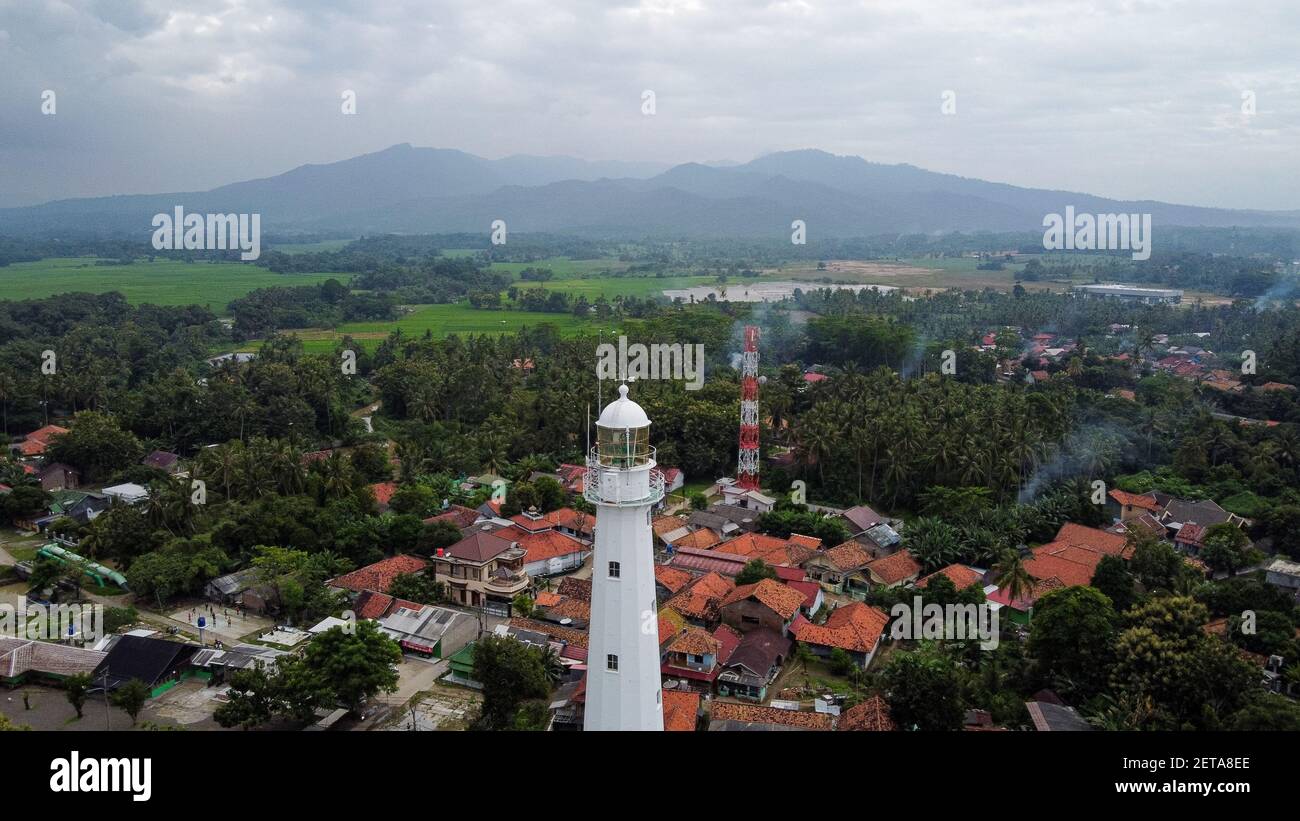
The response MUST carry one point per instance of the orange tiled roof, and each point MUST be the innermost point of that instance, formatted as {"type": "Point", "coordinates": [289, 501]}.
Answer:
{"type": "Point", "coordinates": [702, 539]}
{"type": "Point", "coordinates": [379, 576]}
{"type": "Point", "coordinates": [695, 641]}
{"type": "Point", "coordinates": [546, 598]}
{"type": "Point", "coordinates": [784, 601]}
{"type": "Point", "coordinates": [567, 517]}
{"type": "Point", "coordinates": [960, 575]}
{"type": "Point", "coordinates": [575, 588]}
{"type": "Point", "coordinates": [681, 709]}
{"type": "Point", "coordinates": [849, 556]}
{"type": "Point", "coordinates": [1111, 544]}
{"type": "Point", "coordinates": [666, 524]}
{"type": "Point", "coordinates": [383, 491]}
{"type": "Point", "coordinates": [554, 631]}
{"type": "Point", "coordinates": [569, 608]}
{"type": "Point", "coordinates": [895, 568]}
{"type": "Point", "coordinates": [752, 713]}
{"type": "Point", "coordinates": [855, 627]}
{"type": "Point", "coordinates": [671, 578]}
{"type": "Point", "coordinates": [548, 544]}
{"type": "Point", "coordinates": [700, 600]}
{"type": "Point", "coordinates": [670, 624]}
{"type": "Point", "coordinates": [1142, 500]}
{"type": "Point", "coordinates": [872, 714]}
{"type": "Point", "coordinates": [811, 542]}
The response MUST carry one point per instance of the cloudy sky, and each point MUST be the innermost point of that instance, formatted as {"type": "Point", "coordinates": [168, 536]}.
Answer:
{"type": "Point", "coordinates": [1125, 98]}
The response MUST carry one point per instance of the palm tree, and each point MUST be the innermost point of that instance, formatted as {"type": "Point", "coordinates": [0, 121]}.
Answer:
{"type": "Point", "coordinates": [8, 388]}
{"type": "Point", "coordinates": [1012, 575]}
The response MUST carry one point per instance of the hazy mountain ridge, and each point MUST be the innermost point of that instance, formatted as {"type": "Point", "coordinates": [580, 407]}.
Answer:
{"type": "Point", "coordinates": [430, 190]}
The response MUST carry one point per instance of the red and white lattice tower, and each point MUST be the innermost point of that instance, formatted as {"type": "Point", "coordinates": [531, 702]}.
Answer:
{"type": "Point", "coordinates": [747, 467]}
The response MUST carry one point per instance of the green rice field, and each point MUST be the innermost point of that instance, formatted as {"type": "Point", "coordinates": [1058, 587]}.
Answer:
{"type": "Point", "coordinates": [163, 282]}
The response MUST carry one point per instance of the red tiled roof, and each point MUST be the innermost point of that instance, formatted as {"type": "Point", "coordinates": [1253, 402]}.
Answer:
{"type": "Point", "coordinates": [530, 525]}
{"type": "Point", "coordinates": [872, 714]}
{"type": "Point", "coordinates": [548, 544]}
{"type": "Point", "coordinates": [1143, 500]}
{"type": "Point", "coordinates": [702, 539]}
{"type": "Point", "coordinates": [1091, 538]}
{"type": "Point", "coordinates": [577, 521]}
{"type": "Point", "coordinates": [383, 491]}
{"type": "Point", "coordinates": [1042, 588]}
{"type": "Point", "coordinates": [36, 441]}
{"type": "Point", "coordinates": [695, 641]}
{"type": "Point", "coordinates": [960, 575]}
{"type": "Point", "coordinates": [480, 546]}
{"type": "Point", "coordinates": [379, 576]}
{"type": "Point", "coordinates": [546, 598]}
{"type": "Point", "coordinates": [754, 714]}
{"type": "Point", "coordinates": [855, 627]}
{"type": "Point", "coordinates": [671, 578]}
{"type": "Point", "coordinates": [700, 600]}
{"type": "Point", "coordinates": [780, 599]}
{"type": "Point", "coordinates": [770, 549]}
{"type": "Point", "coordinates": [1190, 533]}
{"type": "Point", "coordinates": [811, 542]}
{"type": "Point", "coordinates": [554, 631]}
{"type": "Point", "coordinates": [371, 605]}
{"type": "Point", "coordinates": [569, 608]}
{"type": "Point", "coordinates": [458, 515]}
{"type": "Point", "coordinates": [574, 588]}
{"type": "Point", "coordinates": [729, 639]}
{"type": "Point", "coordinates": [809, 589]}
{"type": "Point", "coordinates": [895, 568]}
{"type": "Point", "coordinates": [681, 709]}
{"type": "Point", "coordinates": [1070, 571]}
{"type": "Point", "coordinates": [849, 556]}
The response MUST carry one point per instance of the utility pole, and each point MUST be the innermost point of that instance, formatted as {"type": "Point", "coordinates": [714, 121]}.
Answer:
{"type": "Point", "coordinates": [107, 713]}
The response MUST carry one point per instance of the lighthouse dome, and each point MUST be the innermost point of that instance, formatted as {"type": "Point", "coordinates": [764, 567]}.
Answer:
{"type": "Point", "coordinates": [623, 413]}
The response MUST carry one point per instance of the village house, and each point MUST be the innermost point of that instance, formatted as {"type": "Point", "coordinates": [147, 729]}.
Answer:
{"type": "Point", "coordinates": [428, 631]}
{"type": "Point", "coordinates": [842, 569]}
{"type": "Point", "coordinates": [892, 571]}
{"type": "Point", "coordinates": [698, 603]}
{"type": "Point", "coordinates": [962, 576]}
{"type": "Point", "coordinates": [27, 661]}
{"type": "Point", "coordinates": [169, 463]}
{"type": "Point", "coordinates": [694, 656]}
{"type": "Point", "coordinates": [856, 628]}
{"type": "Point", "coordinates": [728, 716]}
{"type": "Point", "coordinates": [378, 577]}
{"type": "Point", "coordinates": [547, 550]}
{"type": "Point", "coordinates": [669, 581]}
{"type": "Point", "coordinates": [58, 476]}
{"type": "Point", "coordinates": [1285, 576]}
{"type": "Point", "coordinates": [869, 715]}
{"type": "Point", "coordinates": [771, 550]}
{"type": "Point", "coordinates": [33, 445]}
{"type": "Point", "coordinates": [483, 570]}
{"type": "Point", "coordinates": [681, 711]}
{"type": "Point", "coordinates": [768, 603]}
{"type": "Point", "coordinates": [753, 665]}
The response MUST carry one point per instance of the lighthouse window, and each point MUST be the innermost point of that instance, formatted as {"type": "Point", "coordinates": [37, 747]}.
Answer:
{"type": "Point", "coordinates": [611, 662]}
{"type": "Point", "coordinates": [613, 570]}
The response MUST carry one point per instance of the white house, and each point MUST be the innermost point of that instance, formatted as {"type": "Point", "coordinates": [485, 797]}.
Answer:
{"type": "Point", "coordinates": [129, 492]}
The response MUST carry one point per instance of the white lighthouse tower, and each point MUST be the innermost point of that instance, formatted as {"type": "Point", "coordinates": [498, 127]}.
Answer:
{"type": "Point", "coordinates": [623, 690]}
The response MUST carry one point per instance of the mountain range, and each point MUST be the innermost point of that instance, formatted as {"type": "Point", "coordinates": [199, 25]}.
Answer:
{"type": "Point", "coordinates": [408, 189]}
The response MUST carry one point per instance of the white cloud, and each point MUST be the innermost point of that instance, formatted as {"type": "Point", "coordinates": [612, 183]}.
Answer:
{"type": "Point", "coordinates": [1118, 97]}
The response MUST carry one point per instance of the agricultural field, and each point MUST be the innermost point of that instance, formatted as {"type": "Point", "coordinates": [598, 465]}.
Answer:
{"type": "Point", "coordinates": [162, 282]}
{"type": "Point", "coordinates": [441, 320]}
{"type": "Point", "coordinates": [563, 267]}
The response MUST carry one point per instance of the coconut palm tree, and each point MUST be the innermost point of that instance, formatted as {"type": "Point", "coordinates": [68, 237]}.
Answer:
{"type": "Point", "coordinates": [1012, 575]}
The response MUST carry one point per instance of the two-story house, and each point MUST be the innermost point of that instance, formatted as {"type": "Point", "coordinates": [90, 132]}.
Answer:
{"type": "Point", "coordinates": [482, 570]}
